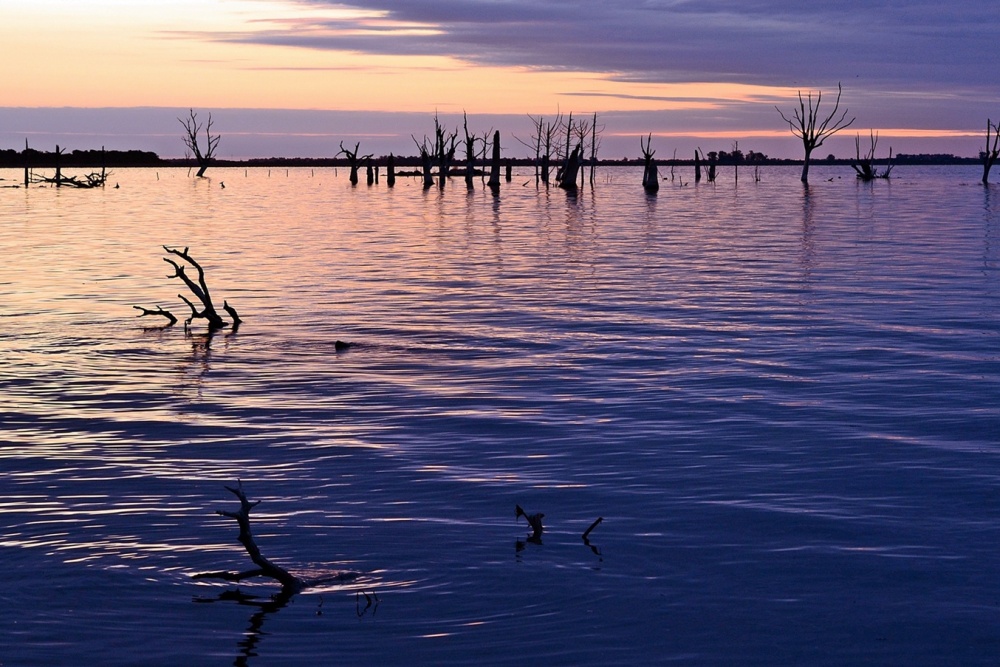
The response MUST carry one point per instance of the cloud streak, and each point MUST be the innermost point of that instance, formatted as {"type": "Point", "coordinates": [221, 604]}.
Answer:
{"type": "Point", "coordinates": [914, 45]}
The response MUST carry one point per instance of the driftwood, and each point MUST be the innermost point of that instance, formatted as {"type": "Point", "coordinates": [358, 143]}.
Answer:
{"type": "Point", "coordinates": [290, 583]}
{"type": "Point", "coordinates": [159, 311]}
{"type": "Point", "coordinates": [534, 520]}
{"type": "Point", "coordinates": [199, 289]}
{"type": "Point", "coordinates": [265, 568]}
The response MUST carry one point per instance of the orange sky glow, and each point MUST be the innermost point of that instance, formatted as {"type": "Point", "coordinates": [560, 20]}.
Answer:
{"type": "Point", "coordinates": [206, 54]}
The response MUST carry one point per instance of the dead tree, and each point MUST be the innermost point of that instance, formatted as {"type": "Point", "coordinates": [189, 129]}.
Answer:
{"type": "Point", "coordinates": [265, 568]}
{"type": "Point", "coordinates": [650, 174]}
{"type": "Point", "coordinates": [470, 154]}
{"type": "Point", "coordinates": [864, 166]}
{"type": "Point", "coordinates": [200, 291]}
{"type": "Point", "coordinates": [805, 124]}
{"type": "Point", "coordinates": [570, 169]}
{"type": "Point", "coordinates": [542, 142]}
{"type": "Point", "coordinates": [595, 144]}
{"type": "Point", "coordinates": [191, 129]}
{"type": "Point", "coordinates": [290, 583]}
{"type": "Point", "coordinates": [353, 160]}
{"type": "Point", "coordinates": [495, 164]}
{"type": "Point", "coordinates": [444, 143]}
{"type": "Point", "coordinates": [992, 151]}
{"type": "Point", "coordinates": [390, 171]}
{"type": "Point", "coordinates": [697, 166]}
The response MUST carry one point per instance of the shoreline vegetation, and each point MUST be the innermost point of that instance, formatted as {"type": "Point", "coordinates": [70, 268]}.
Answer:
{"type": "Point", "coordinates": [36, 159]}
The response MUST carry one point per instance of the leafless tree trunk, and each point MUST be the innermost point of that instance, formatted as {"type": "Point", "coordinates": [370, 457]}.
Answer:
{"type": "Point", "coordinates": [353, 161]}
{"type": "Point", "coordinates": [390, 168]}
{"type": "Point", "coordinates": [805, 124]}
{"type": "Point", "coordinates": [495, 164]}
{"type": "Point", "coordinates": [992, 150]}
{"type": "Point", "coordinates": [650, 174]}
{"type": "Point", "coordinates": [191, 129]}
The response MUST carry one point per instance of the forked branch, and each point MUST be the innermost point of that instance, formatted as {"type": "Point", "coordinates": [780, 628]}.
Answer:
{"type": "Point", "coordinates": [265, 568]}
{"type": "Point", "coordinates": [199, 289]}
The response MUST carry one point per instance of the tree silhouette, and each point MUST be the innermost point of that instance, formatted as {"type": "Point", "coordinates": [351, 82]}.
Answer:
{"type": "Point", "coordinates": [805, 124]}
{"type": "Point", "coordinates": [992, 151]}
{"type": "Point", "coordinates": [191, 129]}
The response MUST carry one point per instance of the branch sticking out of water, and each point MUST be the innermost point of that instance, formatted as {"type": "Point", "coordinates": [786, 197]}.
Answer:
{"type": "Point", "coordinates": [265, 568]}
{"type": "Point", "coordinates": [172, 319]}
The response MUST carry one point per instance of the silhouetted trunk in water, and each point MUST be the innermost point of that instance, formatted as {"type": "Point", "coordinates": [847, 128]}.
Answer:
{"type": "Point", "coordinates": [425, 164]}
{"type": "Point", "coordinates": [697, 167]}
{"type": "Point", "coordinates": [508, 175]}
{"type": "Point", "coordinates": [390, 166]}
{"type": "Point", "coordinates": [570, 171]}
{"type": "Point", "coordinates": [470, 158]}
{"type": "Point", "coordinates": [545, 169]}
{"type": "Point", "coordinates": [370, 173]}
{"type": "Point", "coordinates": [990, 155]}
{"type": "Point", "coordinates": [58, 168]}
{"type": "Point", "coordinates": [27, 165]}
{"type": "Point", "coordinates": [495, 164]}
{"type": "Point", "coordinates": [650, 174]}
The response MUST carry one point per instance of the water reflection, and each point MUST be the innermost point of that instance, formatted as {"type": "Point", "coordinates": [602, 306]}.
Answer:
{"type": "Point", "coordinates": [252, 636]}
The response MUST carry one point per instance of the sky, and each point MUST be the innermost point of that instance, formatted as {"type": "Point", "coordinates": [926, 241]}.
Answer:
{"type": "Point", "coordinates": [294, 78]}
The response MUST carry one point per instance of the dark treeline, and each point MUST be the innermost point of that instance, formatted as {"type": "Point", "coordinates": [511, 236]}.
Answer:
{"type": "Point", "coordinates": [14, 159]}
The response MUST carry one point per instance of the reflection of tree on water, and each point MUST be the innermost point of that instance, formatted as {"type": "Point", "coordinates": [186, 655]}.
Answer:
{"type": "Point", "coordinates": [247, 646]}
{"type": "Point", "coordinates": [290, 583]}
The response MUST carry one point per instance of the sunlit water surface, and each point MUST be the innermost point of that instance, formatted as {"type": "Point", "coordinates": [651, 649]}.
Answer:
{"type": "Point", "coordinates": [785, 405]}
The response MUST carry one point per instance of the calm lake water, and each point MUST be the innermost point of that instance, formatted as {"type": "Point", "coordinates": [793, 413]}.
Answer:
{"type": "Point", "coordinates": [785, 405]}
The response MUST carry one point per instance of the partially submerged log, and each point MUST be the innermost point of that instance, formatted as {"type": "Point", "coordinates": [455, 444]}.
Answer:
{"type": "Point", "coordinates": [171, 318]}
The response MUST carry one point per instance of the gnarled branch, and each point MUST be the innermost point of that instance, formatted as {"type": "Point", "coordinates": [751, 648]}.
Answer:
{"type": "Point", "coordinates": [199, 289]}
{"type": "Point", "coordinates": [265, 568]}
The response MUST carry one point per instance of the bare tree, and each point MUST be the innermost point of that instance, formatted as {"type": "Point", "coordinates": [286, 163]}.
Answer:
{"type": "Point", "coordinates": [864, 166]}
{"type": "Point", "coordinates": [805, 124]}
{"type": "Point", "coordinates": [191, 130]}
{"type": "Point", "coordinates": [992, 151]}
{"type": "Point", "coordinates": [542, 143]}
{"type": "Point", "coordinates": [353, 160]}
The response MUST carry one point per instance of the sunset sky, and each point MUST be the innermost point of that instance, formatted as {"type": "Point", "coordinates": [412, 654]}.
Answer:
{"type": "Point", "coordinates": [296, 77]}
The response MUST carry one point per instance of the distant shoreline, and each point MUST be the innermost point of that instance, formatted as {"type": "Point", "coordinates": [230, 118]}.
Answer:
{"type": "Point", "coordinates": [96, 159]}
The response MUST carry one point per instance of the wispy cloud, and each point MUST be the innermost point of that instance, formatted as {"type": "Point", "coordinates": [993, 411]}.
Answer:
{"type": "Point", "coordinates": [916, 45]}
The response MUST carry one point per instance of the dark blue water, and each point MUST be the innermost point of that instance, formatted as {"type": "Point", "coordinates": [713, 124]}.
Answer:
{"type": "Point", "coordinates": [785, 405]}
